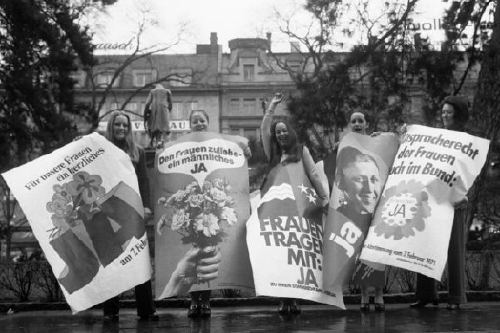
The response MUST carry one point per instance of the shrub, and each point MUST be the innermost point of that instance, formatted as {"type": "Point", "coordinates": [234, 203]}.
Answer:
{"type": "Point", "coordinates": [18, 278]}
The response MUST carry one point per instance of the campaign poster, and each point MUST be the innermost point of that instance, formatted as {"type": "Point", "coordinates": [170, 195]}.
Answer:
{"type": "Point", "coordinates": [433, 169]}
{"type": "Point", "coordinates": [285, 238]}
{"type": "Point", "coordinates": [83, 204]}
{"type": "Point", "coordinates": [362, 167]}
{"type": "Point", "coordinates": [202, 204]}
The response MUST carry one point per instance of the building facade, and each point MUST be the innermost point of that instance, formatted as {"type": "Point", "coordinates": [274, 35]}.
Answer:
{"type": "Point", "coordinates": [233, 88]}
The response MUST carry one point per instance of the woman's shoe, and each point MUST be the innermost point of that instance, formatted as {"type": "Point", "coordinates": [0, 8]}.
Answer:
{"type": "Point", "coordinates": [111, 318]}
{"type": "Point", "coordinates": [193, 311]}
{"type": "Point", "coordinates": [379, 307]}
{"type": "Point", "coordinates": [295, 307]}
{"type": "Point", "coordinates": [422, 304]}
{"type": "Point", "coordinates": [152, 317]}
{"type": "Point", "coordinates": [365, 307]}
{"type": "Point", "coordinates": [453, 306]}
{"type": "Point", "coordinates": [283, 307]}
{"type": "Point", "coordinates": [205, 310]}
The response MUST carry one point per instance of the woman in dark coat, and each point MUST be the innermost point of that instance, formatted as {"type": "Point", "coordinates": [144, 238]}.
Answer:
{"type": "Point", "coordinates": [455, 115]}
{"type": "Point", "coordinates": [119, 132]}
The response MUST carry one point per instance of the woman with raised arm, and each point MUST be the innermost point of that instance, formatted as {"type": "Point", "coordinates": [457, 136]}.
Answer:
{"type": "Point", "coordinates": [281, 146]}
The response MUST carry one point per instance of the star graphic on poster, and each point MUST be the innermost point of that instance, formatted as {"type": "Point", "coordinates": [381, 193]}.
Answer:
{"type": "Point", "coordinates": [311, 198]}
{"type": "Point", "coordinates": [303, 188]}
{"type": "Point", "coordinates": [310, 193]}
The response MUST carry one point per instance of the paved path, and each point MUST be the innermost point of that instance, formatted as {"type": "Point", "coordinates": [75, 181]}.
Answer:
{"type": "Point", "coordinates": [474, 317]}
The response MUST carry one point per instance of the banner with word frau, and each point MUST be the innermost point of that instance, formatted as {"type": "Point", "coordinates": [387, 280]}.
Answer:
{"type": "Point", "coordinates": [284, 237]}
{"type": "Point", "coordinates": [83, 204]}
{"type": "Point", "coordinates": [361, 171]}
{"type": "Point", "coordinates": [202, 204]}
{"type": "Point", "coordinates": [433, 169]}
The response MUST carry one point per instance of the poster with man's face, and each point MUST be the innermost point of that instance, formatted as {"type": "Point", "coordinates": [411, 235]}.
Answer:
{"type": "Point", "coordinates": [361, 171]}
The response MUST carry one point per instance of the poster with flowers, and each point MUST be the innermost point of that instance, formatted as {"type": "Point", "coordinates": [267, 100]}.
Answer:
{"type": "Point", "coordinates": [202, 204]}
{"type": "Point", "coordinates": [83, 204]}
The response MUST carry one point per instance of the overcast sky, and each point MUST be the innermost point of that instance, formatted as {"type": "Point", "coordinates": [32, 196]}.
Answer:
{"type": "Point", "coordinates": [229, 18]}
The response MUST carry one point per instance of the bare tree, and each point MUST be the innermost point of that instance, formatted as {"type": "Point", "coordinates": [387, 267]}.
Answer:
{"type": "Point", "coordinates": [331, 82]}
{"type": "Point", "coordinates": [118, 65]}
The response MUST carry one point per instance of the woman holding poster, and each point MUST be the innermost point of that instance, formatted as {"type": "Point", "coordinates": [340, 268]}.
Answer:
{"type": "Point", "coordinates": [454, 115]}
{"type": "Point", "coordinates": [200, 264]}
{"type": "Point", "coordinates": [119, 132]}
{"type": "Point", "coordinates": [281, 147]}
{"type": "Point", "coordinates": [200, 300]}
{"type": "Point", "coordinates": [359, 180]}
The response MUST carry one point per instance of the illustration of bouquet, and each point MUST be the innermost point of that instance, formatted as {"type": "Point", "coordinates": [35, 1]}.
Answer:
{"type": "Point", "coordinates": [71, 202]}
{"type": "Point", "coordinates": [74, 199]}
{"type": "Point", "coordinates": [198, 212]}
{"type": "Point", "coordinates": [91, 226]}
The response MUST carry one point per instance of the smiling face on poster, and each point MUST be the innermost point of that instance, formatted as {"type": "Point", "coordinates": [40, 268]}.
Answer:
{"type": "Point", "coordinates": [361, 171]}
{"type": "Point", "coordinates": [360, 179]}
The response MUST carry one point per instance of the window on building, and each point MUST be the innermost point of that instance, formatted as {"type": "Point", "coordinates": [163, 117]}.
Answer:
{"type": "Point", "coordinates": [181, 77]}
{"type": "Point", "coordinates": [248, 72]}
{"type": "Point", "coordinates": [250, 133]}
{"type": "Point", "coordinates": [295, 67]}
{"type": "Point", "coordinates": [249, 105]}
{"type": "Point", "coordinates": [79, 78]}
{"type": "Point", "coordinates": [182, 110]}
{"type": "Point", "coordinates": [113, 106]}
{"type": "Point", "coordinates": [141, 106]}
{"type": "Point", "coordinates": [143, 77]}
{"type": "Point", "coordinates": [105, 78]}
{"type": "Point", "coordinates": [235, 131]}
{"type": "Point", "coordinates": [193, 105]}
{"type": "Point", "coordinates": [131, 107]}
{"type": "Point", "coordinates": [234, 106]}
{"type": "Point", "coordinates": [104, 114]}
{"type": "Point", "coordinates": [176, 112]}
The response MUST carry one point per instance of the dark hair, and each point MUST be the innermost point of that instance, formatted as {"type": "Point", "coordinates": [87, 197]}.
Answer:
{"type": "Point", "coordinates": [461, 108]}
{"type": "Point", "coordinates": [199, 111]}
{"type": "Point", "coordinates": [128, 145]}
{"type": "Point", "coordinates": [346, 156]}
{"type": "Point", "coordinates": [294, 147]}
{"type": "Point", "coordinates": [363, 113]}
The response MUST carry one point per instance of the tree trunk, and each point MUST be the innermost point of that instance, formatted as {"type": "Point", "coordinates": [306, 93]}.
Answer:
{"type": "Point", "coordinates": [486, 261]}
{"type": "Point", "coordinates": [485, 111]}
{"type": "Point", "coordinates": [8, 229]}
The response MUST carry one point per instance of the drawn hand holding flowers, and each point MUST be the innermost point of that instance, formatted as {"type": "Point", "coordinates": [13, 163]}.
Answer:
{"type": "Point", "coordinates": [198, 213]}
